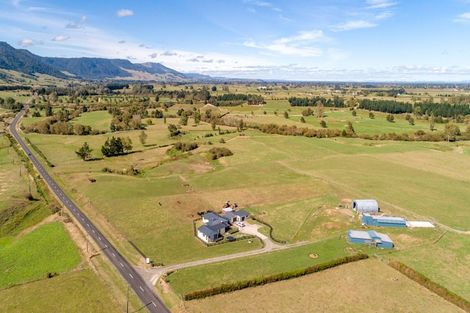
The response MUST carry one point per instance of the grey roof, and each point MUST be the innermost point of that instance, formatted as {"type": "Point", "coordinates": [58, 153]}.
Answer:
{"type": "Point", "coordinates": [242, 213]}
{"type": "Point", "coordinates": [211, 216]}
{"type": "Point", "coordinates": [389, 219]}
{"type": "Point", "coordinates": [385, 238]}
{"type": "Point", "coordinates": [359, 234]}
{"type": "Point", "coordinates": [365, 204]}
{"type": "Point", "coordinates": [217, 225]}
{"type": "Point", "coordinates": [229, 215]}
{"type": "Point", "coordinates": [209, 232]}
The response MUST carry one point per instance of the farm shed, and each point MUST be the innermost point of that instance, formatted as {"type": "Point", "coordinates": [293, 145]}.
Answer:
{"type": "Point", "coordinates": [371, 238]}
{"type": "Point", "coordinates": [383, 221]}
{"type": "Point", "coordinates": [365, 206]}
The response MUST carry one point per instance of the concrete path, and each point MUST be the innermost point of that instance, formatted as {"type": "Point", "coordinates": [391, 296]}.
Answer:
{"type": "Point", "coordinates": [153, 275]}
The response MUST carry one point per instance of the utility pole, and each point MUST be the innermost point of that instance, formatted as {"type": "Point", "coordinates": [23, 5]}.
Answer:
{"type": "Point", "coordinates": [127, 299]}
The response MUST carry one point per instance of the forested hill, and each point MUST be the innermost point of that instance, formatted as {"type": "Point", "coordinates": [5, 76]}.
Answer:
{"type": "Point", "coordinates": [23, 61]}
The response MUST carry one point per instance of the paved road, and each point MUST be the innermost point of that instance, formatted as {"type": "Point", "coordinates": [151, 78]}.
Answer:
{"type": "Point", "coordinates": [135, 281]}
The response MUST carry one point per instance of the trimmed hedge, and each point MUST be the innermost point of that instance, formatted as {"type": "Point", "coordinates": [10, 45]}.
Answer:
{"type": "Point", "coordinates": [430, 285]}
{"type": "Point", "coordinates": [199, 294]}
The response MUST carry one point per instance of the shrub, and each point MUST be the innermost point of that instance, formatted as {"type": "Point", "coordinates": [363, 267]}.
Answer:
{"type": "Point", "coordinates": [218, 152]}
{"type": "Point", "coordinates": [185, 146]}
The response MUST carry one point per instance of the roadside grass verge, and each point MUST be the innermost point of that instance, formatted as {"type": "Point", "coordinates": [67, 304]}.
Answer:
{"type": "Point", "coordinates": [48, 249]}
{"type": "Point", "coordinates": [73, 292]}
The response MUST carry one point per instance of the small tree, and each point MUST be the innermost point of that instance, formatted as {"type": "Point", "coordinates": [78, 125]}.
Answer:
{"type": "Point", "coordinates": [371, 115]}
{"type": "Point", "coordinates": [320, 109]}
{"type": "Point", "coordinates": [350, 129]}
{"type": "Point", "coordinates": [184, 119]}
{"type": "Point", "coordinates": [323, 124]}
{"type": "Point", "coordinates": [354, 113]}
{"type": "Point", "coordinates": [411, 121]}
{"type": "Point", "coordinates": [143, 137]}
{"type": "Point", "coordinates": [286, 115]}
{"type": "Point", "coordinates": [432, 123]}
{"type": "Point", "coordinates": [390, 118]}
{"type": "Point", "coordinates": [84, 152]}
{"type": "Point", "coordinates": [452, 131]}
{"type": "Point", "coordinates": [302, 120]}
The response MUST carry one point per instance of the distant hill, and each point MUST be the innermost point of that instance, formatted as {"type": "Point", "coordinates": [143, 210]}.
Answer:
{"type": "Point", "coordinates": [23, 61]}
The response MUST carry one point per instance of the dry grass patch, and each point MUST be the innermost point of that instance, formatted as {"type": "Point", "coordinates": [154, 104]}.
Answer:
{"type": "Point", "coordinates": [365, 286]}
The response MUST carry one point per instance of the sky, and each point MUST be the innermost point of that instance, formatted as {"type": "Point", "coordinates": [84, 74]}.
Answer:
{"type": "Point", "coordinates": [349, 40]}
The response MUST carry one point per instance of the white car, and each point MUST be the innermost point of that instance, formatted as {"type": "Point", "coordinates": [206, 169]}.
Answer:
{"type": "Point", "coordinates": [240, 224]}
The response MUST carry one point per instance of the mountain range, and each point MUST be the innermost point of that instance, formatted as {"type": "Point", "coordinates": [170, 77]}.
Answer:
{"type": "Point", "coordinates": [23, 61]}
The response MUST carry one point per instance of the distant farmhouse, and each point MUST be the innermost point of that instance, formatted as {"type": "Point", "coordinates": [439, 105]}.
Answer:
{"type": "Point", "coordinates": [383, 221]}
{"type": "Point", "coordinates": [365, 206]}
{"type": "Point", "coordinates": [215, 225]}
{"type": "Point", "coordinates": [370, 238]}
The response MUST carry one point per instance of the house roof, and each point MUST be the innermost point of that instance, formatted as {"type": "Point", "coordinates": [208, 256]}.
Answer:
{"type": "Point", "coordinates": [242, 213]}
{"type": "Point", "coordinates": [218, 225]}
{"type": "Point", "coordinates": [208, 231]}
{"type": "Point", "coordinates": [229, 215]}
{"type": "Point", "coordinates": [210, 216]}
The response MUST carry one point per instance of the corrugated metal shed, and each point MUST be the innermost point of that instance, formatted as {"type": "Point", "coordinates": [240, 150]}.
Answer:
{"type": "Point", "coordinates": [370, 237]}
{"type": "Point", "coordinates": [383, 221]}
{"type": "Point", "coordinates": [365, 206]}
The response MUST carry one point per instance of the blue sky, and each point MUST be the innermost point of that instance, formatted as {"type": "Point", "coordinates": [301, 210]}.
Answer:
{"type": "Point", "coordinates": [359, 40]}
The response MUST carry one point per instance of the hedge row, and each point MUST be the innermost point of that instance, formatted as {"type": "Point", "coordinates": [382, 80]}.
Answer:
{"type": "Point", "coordinates": [270, 230]}
{"type": "Point", "coordinates": [271, 279]}
{"type": "Point", "coordinates": [430, 285]}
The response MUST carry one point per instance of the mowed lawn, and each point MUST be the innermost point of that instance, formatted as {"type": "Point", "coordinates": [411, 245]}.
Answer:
{"type": "Point", "coordinates": [72, 292]}
{"type": "Point", "coordinates": [366, 286]}
{"type": "Point", "coordinates": [212, 275]}
{"type": "Point", "coordinates": [47, 249]}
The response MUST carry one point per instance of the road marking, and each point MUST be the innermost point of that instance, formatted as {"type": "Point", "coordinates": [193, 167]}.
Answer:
{"type": "Point", "coordinates": [141, 288]}
{"type": "Point", "coordinates": [154, 304]}
{"type": "Point", "coordinates": [99, 238]}
{"type": "Point", "coordinates": [131, 276]}
{"type": "Point", "coordinates": [122, 265]}
{"type": "Point", "coordinates": [113, 254]}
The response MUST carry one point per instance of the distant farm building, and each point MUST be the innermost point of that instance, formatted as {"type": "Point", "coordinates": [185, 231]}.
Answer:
{"type": "Point", "coordinates": [370, 238]}
{"type": "Point", "coordinates": [365, 206]}
{"type": "Point", "coordinates": [383, 221]}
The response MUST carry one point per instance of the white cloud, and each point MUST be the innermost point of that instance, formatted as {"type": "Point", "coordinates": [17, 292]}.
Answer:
{"type": "Point", "coordinates": [77, 24]}
{"type": "Point", "coordinates": [124, 13]}
{"type": "Point", "coordinates": [26, 42]}
{"type": "Point", "coordinates": [383, 15]}
{"type": "Point", "coordinates": [61, 38]}
{"type": "Point", "coordinates": [462, 18]}
{"type": "Point", "coordinates": [353, 25]}
{"type": "Point", "coordinates": [263, 4]}
{"type": "Point", "coordinates": [380, 4]}
{"type": "Point", "coordinates": [297, 45]}
{"type": "Point", "coordinates": [121, 41]}
{"type": "Point", "coordinates": [153, 55]}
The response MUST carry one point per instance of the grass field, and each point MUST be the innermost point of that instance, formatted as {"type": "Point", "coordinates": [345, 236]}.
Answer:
{"type": "Point", "coordinates": [74, 292]}
{"type": "Point", "coordinates": [213, 275]}
{"type": "Point", "coordinates": [100, 120]}
{"type": "Point", "coordinates": [301, 186]}
{"type": "Point", "coordinates": [366, 286]}
{"type": "Point", "coordinates": [48, 249]}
